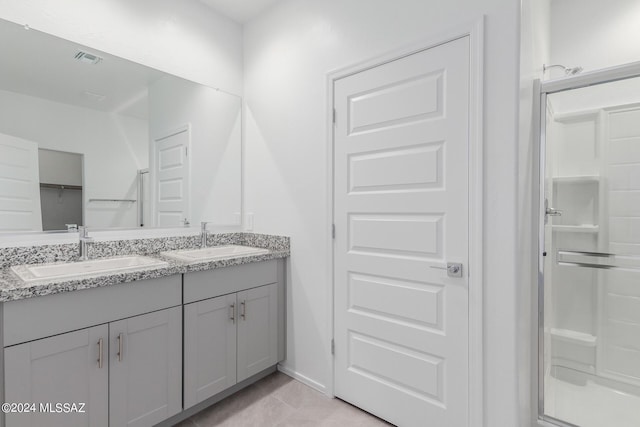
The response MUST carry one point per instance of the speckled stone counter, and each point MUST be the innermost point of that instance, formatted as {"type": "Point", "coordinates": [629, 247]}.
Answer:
{"type": "Point", "coordinates": [13, 288]}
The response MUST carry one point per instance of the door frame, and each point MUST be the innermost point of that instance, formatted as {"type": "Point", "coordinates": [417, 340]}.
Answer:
{"type": "Point", "coordinates": [475, 31]}
{"type": "Point", "coordinates": [152, 167]}
{"type": "Point", "coordinates": [541, 91]}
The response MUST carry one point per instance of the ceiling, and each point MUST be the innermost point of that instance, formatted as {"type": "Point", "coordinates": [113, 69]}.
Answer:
{"type": "Point", "coordinates": [239, 10]}
{"type": "Point", "coordinates": [44, 66]}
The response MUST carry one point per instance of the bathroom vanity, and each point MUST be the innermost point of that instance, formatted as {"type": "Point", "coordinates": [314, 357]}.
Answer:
{"type": "Point", "coordinates": [143, 346]}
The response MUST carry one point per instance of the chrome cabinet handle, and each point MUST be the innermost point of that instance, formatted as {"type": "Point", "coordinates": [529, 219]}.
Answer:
{"type": "Point", "coordinates": [233, 313]}
{"type": "Point", "coordinates": [100, 353]}
{"type": "Point", "coordinates": [243, 310]}
{"type": "Point", "coordinates": [120, 352]}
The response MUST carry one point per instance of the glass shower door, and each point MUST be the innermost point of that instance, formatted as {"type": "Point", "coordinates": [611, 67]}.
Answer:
{"type": "Point", "coordinates": [591, 327]}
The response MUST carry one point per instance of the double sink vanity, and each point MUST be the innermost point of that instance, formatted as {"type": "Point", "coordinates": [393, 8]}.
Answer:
{"type": "Point", "coordinates": [144, 332]}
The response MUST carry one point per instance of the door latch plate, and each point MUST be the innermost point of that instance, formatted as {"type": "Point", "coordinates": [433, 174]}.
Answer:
{"type": "Point", "coordinates": [454, 269]}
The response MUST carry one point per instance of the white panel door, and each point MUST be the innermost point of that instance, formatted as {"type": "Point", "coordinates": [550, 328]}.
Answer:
{"type": "Point", "coordinates": [401, 213]}
{"type": "Point", "coordinates": [19, 185]}
{"type": "Point", "coordinates": [171, 178]}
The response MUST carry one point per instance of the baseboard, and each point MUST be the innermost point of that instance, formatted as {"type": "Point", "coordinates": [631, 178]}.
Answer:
{"type": "Point", "coordinates": [303, 379]}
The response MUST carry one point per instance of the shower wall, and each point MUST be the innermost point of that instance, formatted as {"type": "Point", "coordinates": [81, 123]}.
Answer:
{"type": "Point", "coordinates": [620, 326]}
{"type": "Point", "coordinates": [574, 184]}
{"type": "Point", "coordinates": [593, 176]}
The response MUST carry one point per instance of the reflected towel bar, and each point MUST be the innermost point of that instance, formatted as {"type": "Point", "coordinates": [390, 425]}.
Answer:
{"type": "Point", "coordinates": [60, 186]}
{"type": "Point", "coordinates": [113, 200]}
{"type": "Point", "coordinates": [623, 267]}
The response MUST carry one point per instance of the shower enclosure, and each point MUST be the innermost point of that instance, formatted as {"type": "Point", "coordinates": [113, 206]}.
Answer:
{"type": "Point", "coordinates": [589, 264]}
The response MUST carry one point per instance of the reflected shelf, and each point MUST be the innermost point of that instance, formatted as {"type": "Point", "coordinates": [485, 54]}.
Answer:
{"type": "Point", "coordinates": [576, 179]}
{"type": "Point", "coordinates": [585, 228]}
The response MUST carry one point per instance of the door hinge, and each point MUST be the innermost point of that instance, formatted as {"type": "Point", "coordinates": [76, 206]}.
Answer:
{"type": "Point", "coordinates": [333, 346]}
{"type": "Point", "coordinates": [334, 116]}
{"type": "Point", "coordinates": [333, 231]}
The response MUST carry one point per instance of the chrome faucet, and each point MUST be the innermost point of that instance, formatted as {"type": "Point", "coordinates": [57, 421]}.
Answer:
{"type": "Point", "coordinates": [85, 240]}
{"type": "Point", "coordinates": [203, 234]}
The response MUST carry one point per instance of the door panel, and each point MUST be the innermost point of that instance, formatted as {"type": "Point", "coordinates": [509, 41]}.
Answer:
{"type": "Point", "coordinates": [257, 330]}
{"type": "Point", "coordinates": [19, 185]}
{"type": "Point", "coordinates": [590, 354]}
{"type": "Point", "coordinates": [60, 369]}
{"type": "Point", "coordinates": [209, 348]}
{"type": "Point", "coordinates": [401, 213]}
{"type": "Point", "coordinates": [145, 370]}
{"type": "Point", "coordinates": [171, 178]}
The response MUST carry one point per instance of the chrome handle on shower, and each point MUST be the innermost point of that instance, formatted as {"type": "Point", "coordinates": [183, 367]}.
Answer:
{"type": "Point", "coordinates": [549, 211]}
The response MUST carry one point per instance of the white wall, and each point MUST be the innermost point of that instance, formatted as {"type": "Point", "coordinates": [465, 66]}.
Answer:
{"type": "Point", "coordinates": [111, 145]}
{"type": "Point", "coordinates": [60, 167]}
{"type": "Point", "coordinates": [215, 158]}
{"type": "Point", "coordinates": [288, 52]}
{"type": "Point", "coordinates": [594, 34]}
{"type": "Point", "coordinates": [184, 37]}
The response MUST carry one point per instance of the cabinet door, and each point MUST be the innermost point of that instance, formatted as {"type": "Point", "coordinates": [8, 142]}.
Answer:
{"type": "Point", "coordinates": [257, 330]}
{"type": "Point", "coordinates": [145, 368]}
{"type": "Point", "coordinates": [61, 369]}
{"type": "Point", "coordinates": [209, 347]}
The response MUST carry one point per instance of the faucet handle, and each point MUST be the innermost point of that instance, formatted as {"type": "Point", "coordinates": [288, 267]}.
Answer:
{"type": "Point", "coordinates": [84, 233]}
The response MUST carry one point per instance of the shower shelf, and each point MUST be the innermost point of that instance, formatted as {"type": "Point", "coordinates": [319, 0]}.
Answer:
{"type": "Point", "coordinates": [577, 179]}
{"type": "Point", "coordinates": [586, 228]}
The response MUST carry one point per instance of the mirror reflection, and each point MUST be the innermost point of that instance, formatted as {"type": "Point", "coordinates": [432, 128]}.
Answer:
{"type": "Point", "coordinates": [87, 138]}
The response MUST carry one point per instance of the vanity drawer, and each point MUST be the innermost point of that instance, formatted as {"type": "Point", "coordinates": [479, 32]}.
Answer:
{"type": "Point", "coordinates": [201, 285]}
{"type": "Point", "coordinates": [39, 317]}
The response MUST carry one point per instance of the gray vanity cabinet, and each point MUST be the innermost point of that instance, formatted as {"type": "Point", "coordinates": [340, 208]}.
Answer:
{"type": "Point", "coordinates": [209, 348]}
{"type": "Point", "coordinates": [257, 330]}
{"type": "Point", "coordinates": [229, 338]}
{"type": "Point", "coordinates": [137, 361]}
{"type": "Point", "coordinates": [145, 368]}
{"type": "Point", "coordinates": [64, 368]}
{"type": "Point", "coordinates": [127, 368]}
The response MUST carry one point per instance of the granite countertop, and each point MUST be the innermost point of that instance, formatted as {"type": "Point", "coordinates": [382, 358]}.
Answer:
{"type": "Point", "coordinates": [12, 288]}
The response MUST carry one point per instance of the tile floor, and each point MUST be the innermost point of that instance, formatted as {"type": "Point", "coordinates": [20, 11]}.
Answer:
{"type": "Point", "coordinates": [280, 401]}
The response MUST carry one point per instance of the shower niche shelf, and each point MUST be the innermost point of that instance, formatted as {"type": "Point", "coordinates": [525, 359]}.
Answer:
{"type": "Point", "coordinates": [578, 197]}
{"type": "Point", "coordinates": [577, 179]}
{"type": "Point", "coordinates": [584, 228]}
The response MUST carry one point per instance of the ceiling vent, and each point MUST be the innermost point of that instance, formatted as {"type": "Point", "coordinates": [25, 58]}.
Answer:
{"type": "Point", "coordinates": [88, 58]}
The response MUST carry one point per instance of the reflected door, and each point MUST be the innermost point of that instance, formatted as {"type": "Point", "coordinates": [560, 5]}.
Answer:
{"type": "Point", "coordinates": [19, 185]}
{"type": "Point", "coordinates": [591, 328]}
{"type": "Point", "coordinates": [170, 168]}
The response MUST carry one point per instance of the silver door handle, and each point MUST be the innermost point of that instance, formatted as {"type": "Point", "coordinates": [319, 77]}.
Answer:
{"type": "Point", "coordinates": [120, 343]}
{"type": "Point", "coordinates": [552, 212]}
{"type": "Point", "coordinates": [454, 269]}
{"type": "Point", "coordinates": [100, 353]}
{"type": "Point", "coordinates": [233, 313]}
{"type": "Point", "coordinates": [243, 310]}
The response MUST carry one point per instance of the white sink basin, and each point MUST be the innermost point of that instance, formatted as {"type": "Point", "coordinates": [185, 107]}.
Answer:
{"type": "Point", "coordinates": [30, 273]}
{"type": "Point", "coordinates": [214, 253]}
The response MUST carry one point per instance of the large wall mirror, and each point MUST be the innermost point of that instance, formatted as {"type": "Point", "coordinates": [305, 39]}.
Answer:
{"type": "Point", "coordinates": [91, 139]}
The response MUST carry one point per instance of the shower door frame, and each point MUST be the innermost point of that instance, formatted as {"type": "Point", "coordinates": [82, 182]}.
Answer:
{"type": "Point", "coordinates": [541, 92]}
